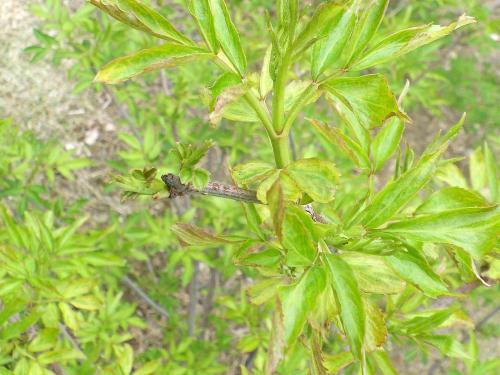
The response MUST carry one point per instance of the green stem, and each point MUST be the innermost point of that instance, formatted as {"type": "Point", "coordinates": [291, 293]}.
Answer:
{"type": "Point", "coordinates": [279, 93]}
{"type": "Point", "coordinates": [261, 112]}
{"type": "Point", "coordinates": [281, 151]}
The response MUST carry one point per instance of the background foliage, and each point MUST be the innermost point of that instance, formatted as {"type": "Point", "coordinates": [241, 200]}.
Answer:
{"type": "Point", "coordinates": [119, 295]}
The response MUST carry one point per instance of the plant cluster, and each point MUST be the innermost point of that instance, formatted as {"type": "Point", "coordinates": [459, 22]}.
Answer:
{"type": "Point", "coordinates": [340, 249]}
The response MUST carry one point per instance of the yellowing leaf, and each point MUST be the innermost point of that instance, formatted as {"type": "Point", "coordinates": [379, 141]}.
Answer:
{"type": "Point", "coordinates": [367, 98]}
{"type": "Point", "coordinates": [194, 236]}
{"type": "Point", "coordinates": [317, 178]}
{"type": "Point", "coordinates": [299, 237]}
{"type": "Point", "coordinates": [405, 41]}
{"type": "Point", "coordinates": [147, 60]}
{"type": "Point", "coordinates": [473, 229]}
{"type": "Point", "coordinates": [413, 268]}
{"type": "Point", "coordinates": [140, 16]}
{"type": "Point", "coordinates": [372, 273]}
{"type": "Point", "coordinates": [298, 299]}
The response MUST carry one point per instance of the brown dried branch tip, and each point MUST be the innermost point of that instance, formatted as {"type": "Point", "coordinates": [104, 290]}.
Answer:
{"type": "Point", "coordinates": [215, 189]}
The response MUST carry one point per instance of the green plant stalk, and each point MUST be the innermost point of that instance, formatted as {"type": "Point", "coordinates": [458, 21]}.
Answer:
{"type": "Point", "coordinates": [280, 140]}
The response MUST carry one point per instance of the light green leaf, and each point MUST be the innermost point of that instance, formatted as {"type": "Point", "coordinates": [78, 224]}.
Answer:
{"type": "Point", "coordinates": [372, 274]}
{"type": "Point", "coordinates": [125, 357]}
{"type": "Point", "coordinates": [491, 173]}
{"type": "Point", "coordinates": [227, 35]}
{"type": "Point", "coordinates": [327, 51]}
{"type": "Point", "coordinates": [200, 10]}
{"type": "Point", "coordinates": [344, 143]}
{"type": "Point", "coordinates": [140, 16]}
{"type": "Point", "coordinates": [398, 193]}
{"type": "Point", "coordinates": [451, 198]}
{"type": "Point", "coordinates": [477, 170]}
{"type": "Point", "coordinates": [298, 299]}
{"type": "Point", "coordinates": [349, 301]}
{"type": "Point", "coordinates": [368, 98]}
{"type": "Point", "coordinates": [299, 238]}
{"type": "Point", "coordinates": [325, 15]}
{"type": "Point", "coordinates": [335, 363]}
{"type": "Point", "coordinates": [150, 368]}
{"type": "Point", "coordinates": [367, 26]}
{"type": "Point", "coordinates": [317, 178]}
{"type": "Point", "coordinates": [147, 60]}
{"type": "Point", "coordinates": [253, 172]}
{"type": "Point", "coordinates": [383, 362]}
{"type": "Point", "coordinates": [447, 345]}
{"type": "Point", "coordinates": [405, 41]}
{"type": "Point", "coordinates": [386, 142]}
{"type": "Point", "coordinates": [266, 82]}
{"type": "Point", "coordinates": [61, 355]}
{"type": "Point", "coordinates": [426, 324]}
{"type": "Point", "coordinates": [473, 229]}
{"type": "Point", "coordinates": [412, 267]}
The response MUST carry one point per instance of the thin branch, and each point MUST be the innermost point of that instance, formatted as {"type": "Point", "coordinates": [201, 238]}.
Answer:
{"type": "Point", "coordinates": [215, 189]}
{"type": "Point", "coordinates": [193, 298]}
{"type": "Point", "coordinates": [127, 281]}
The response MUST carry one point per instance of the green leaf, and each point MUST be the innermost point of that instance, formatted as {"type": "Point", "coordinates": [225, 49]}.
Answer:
{"type": "Point", "coordinates": [327, 51]}
{"type": "Point", "coordinates": [140, 16]}
{"type": "Point", "coordinates": [367, 98]}
{"type": "Point", "coordinates": [18, 327]}
{"type": "Point", "coordinates": [149, 368]}
{"type": "Point", "coordinates": [473, 229]}
{"type": "Point", "coordinates": [299, 238]}
{"type": "Point", "coordinates": [398, 193]}
{"type": "Point", "coordinates": [372, 274]}
{"type": "Point", "coordinates": [335, 363]}
{"type": "Point", "coordinates": [367, 26]}
{"type": "Point", "coordinates": [298, 299]}
{"type": "Point", "coordinates": [200, 178]}
{"type": "Point", "coordinates": [227, 35]}
{"type": "Point", "coordinates": [491, 173]}
{"type": "Point", "coordinates": [200, 10]}
{"type": "Point", "coordinates": [317, 178]}
{"type": "Point", "coordinates": [477, 170]}
{"type": "Point", "coordinates": [412, 267]}
{"type": "Point", "coordinates": [427, 323]}
{"type": "Point", "coordinates": [383, 362]}
{"type": "Point", "coordinates": [447, 345]}
{"type": "Point", "coordinates": [345, 144]}
{"type": "Point", "coordinates": [60, 356]}
{"type": "Point", "coordinates": [125, 357]}
{"type": "Point", "coordinates": [349, 301]}
{"type": "Point", "coordinates": [386, 142]}
{"type": "Point", "coordinates": [266, 82]}
{"type": "Point", "coordinates": [319, 26]}
{"type": "Point", "coordinates": [405, 41]}
{"type": "Point", "coordinates": [147, 60]}
{"type": "Point", "coordinates": [248, 173]}
{"type": "Point", "coordinates": [451, 198]}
